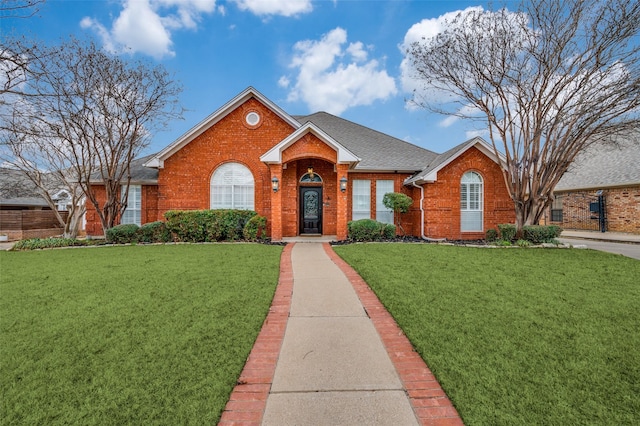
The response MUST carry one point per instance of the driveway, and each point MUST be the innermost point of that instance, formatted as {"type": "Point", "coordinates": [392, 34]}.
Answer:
{"type": "Point", "coordinates": [625, 249]}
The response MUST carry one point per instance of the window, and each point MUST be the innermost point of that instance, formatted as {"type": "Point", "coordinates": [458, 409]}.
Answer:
{"type": "Point", "coordinates": [232, 187]}
{"type": "Point", "coordinates": [361, 199]}
{"type": "Point", "coordinates": [471, 202]}
{"type": "Point", "coordinates": [556, 209]}
{"type": "Point", "coordinates": [311, 178]}
{"type": "Point", "coordinates": [383, 214]}
{"type": "Point", "coordinates": [134, 204]}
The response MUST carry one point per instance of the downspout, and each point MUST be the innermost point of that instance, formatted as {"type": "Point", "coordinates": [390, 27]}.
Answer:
{"type": "Point", "coordinates": [424, 237]}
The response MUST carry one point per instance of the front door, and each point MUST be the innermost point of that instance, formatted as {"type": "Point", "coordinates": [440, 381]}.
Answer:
{"type": "Point", "coordinates": [311, 210]}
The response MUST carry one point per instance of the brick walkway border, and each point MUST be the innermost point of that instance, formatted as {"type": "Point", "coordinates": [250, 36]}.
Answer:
{"type": "Point", "coordinates": [249, 398]}
{"type": "Point", "coordinates": [429, 402]}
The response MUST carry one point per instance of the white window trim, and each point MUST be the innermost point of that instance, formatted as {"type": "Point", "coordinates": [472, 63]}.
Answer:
{"type": "Point", "coordinates": [361, 192]}
{"type": "Point", "coordinates": [383, 214]}
{"type": "Point", "coordinates": [241, 189]}
{"type": "Point", "coordinates": [134, 205]}
{"type": "Point", "coordinates": [468, 215]}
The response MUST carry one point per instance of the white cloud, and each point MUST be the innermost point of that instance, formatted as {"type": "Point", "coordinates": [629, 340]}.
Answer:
{"type": "Point", "coordinates": [275, 7]}
{"type": "Point", "coordinates": [332, 79]}
{"type": "Point", "coordinates": [141, 27]}
{"type": "Point", "coordinates": [424, 30]}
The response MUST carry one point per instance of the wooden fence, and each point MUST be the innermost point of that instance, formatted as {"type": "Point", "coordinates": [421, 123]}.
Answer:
{"type": "Point", "coordinates": [25, 220]}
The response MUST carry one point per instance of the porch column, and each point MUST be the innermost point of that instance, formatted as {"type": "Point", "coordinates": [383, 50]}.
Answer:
{"type": "Point", "coordinates": [276, 203]}
{"type": "Point", "coordinates": [342, 202]}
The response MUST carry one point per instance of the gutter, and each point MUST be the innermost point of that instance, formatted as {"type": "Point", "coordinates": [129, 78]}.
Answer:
{"type": "Point", "coordinates": [424, 237]}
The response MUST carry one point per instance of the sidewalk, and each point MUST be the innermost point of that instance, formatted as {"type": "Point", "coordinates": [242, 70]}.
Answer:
{"type": "Point", "coordinates": [330, 354]}
{"type": "Point", "coordinates": [613, 237]}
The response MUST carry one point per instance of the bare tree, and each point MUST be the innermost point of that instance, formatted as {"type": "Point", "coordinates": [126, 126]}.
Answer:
{"type": "Point", "coordinates": [19, 8]}
{"type": "Point", "coordinates": [92, 112]}
{"type": "Point", "coordinates": [47, 166]}
{"type": "Point", "coordinates": [548, 80]}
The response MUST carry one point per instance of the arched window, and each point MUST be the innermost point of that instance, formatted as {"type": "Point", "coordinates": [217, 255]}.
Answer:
{"type": "Point", "coordinates": [311, 178]}
{"type": "Point", "coordinates": [471, 197]}
{"type": "Point", "coordinates": [232, 187]}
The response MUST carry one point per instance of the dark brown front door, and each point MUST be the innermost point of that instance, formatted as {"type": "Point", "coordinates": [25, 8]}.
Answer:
{"type": "Point", "coordinates": [311, 210]}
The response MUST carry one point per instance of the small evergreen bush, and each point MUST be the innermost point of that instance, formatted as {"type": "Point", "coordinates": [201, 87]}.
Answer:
{"type": "Point", "coordinates": [123, 234]}
{"type": "Point", "coordinates": [507, 231]}
{"type": "Point", "coordinates": [255, 228]}
{"type": "Point", "coordinates": [538, 234]}
{"type": "Point", "coordinates": [154, 232]}
{"type": "Point", "coordinates": [491, 235]}
{"type": "Point", "coordinates": [370, 230]}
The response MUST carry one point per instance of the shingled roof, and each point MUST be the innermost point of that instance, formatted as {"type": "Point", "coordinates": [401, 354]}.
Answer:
{"type": "Point", "coordinates": [605, 165]}
{"type": "Point", "coordinates": [377, 151]}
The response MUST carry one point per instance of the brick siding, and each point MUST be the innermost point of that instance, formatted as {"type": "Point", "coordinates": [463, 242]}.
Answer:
{"type": "Point", "coordinates": [184, 182]}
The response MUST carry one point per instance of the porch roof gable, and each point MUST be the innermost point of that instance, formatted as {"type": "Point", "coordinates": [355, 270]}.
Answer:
{"type": "Point", "coordinates": [430, 173]}
{"type": "Point", "coordinates": [274, 155]}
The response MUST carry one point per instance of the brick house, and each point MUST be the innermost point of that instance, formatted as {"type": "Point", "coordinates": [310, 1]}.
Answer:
{"type": "Point", "coordinates": [312, 174]}
{"type": "Point", "coordinates": [604, 177]}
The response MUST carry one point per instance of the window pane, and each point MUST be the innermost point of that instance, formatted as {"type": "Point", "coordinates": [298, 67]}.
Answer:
{"type": "Point", "coordinates": [471, 202]}
{"type": "Point", "coordinates": [383, 214]}
{"type": "Point", "coordinates": [232, 187]}
{"type": "Point", "coordinates": [132, 213]}
{"type": "Point", "coordinates": [361, 199]}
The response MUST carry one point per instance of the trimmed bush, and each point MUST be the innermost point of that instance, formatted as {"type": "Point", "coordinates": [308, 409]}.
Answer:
{"type": "Point", "coordinates": [123, 234]}
{"type": "Point", "coordinates": [207, 225]}
{"type": "Point", "coordinates": [538, 234]}
{"type": "Point", "coordinates": [507, 231]}
{"type": "Point", "coordinates": [491, 235]}
{"type": "Point", "coordinates": [255, 228]}
{"type": "Point", "coordinates": [154, 232]}
{"type": "Point", "coordinates": [370, 230]}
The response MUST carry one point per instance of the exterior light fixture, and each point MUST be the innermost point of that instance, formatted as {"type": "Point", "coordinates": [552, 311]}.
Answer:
{"type": "Point", "coordinates": [310, 171]}
{"type": "Point", "coordinates": [275, 184]}
{"type": "Point", "coordinates": [343, 184]}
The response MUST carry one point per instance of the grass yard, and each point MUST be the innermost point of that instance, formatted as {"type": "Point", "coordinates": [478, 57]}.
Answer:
{"type": "Point", "coordinates": [517, 336]}
{"type": "Point", "coordinates": [129, 335]}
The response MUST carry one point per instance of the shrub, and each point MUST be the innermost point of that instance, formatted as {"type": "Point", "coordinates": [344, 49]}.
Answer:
{"type": "Point", "coordinates": [43, 243]}
{"type": "Point", "coordinates": [123, 234]}
{"type": "Point", "coordinates": [370, 230]}
{"type": "Point", "coordinates": [492, 235]}
{"type": "Point", "coordinates": [523, 243]}
{"type": "Point", "coordinates": [507, 231]}
{"type": "Point", "coordinates": [207, 225]}
{"type": "Point", "coordinates": [540, 234]}
{"type": "Point", "coordinates": [154, 232]}
{"type": "Point", "coordinates": [255, 228]}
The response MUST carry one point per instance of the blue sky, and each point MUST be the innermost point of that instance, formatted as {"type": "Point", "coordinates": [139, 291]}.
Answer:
{"type": "Point", "coordinates": [343, 57]}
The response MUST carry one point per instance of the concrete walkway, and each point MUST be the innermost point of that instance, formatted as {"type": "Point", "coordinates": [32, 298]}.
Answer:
{"type": "Point", "coordinates": [342, 360]}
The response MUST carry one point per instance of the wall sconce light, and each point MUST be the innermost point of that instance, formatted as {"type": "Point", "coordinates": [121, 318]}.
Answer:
{"type": "Point", "coordinates": [275, 184]}
{"type": "Point", "coordinates": [343, 184]}
{"type": "Point", "coordinates": [310, 171]}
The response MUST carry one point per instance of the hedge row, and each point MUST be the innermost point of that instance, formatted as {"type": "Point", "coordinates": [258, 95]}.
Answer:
{"type": "Point", "coordinates": [194, 226]}
{"type": "Point", "coordinates": [535, 234]}
{"type": "Point", "coordinates": [370, 230]}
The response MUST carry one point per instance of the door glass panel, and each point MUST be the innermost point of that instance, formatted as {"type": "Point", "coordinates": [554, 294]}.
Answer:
{"type": "Point", "coordinates": [311, 205]}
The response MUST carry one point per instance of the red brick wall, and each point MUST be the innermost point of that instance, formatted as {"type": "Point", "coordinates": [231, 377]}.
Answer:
{"type": "Point", "coordinates": [442, 198]}
{"type": "Point", "coordinates": [622, 210]}
{"type": "Point", "coordinates": [184, 183]}
{"type": "Point", "coordinates": [148, 207]}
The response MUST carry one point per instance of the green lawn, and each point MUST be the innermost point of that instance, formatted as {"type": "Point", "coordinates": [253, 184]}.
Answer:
{"type": "Point", "coordinates": [129, 335]}
{"type": "Point", "coordinates": [517, 336]}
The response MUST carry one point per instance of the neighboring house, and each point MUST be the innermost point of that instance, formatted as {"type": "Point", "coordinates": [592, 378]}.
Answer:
{"type": "Point", "coordinates": [601, 189]}
{"type": "Point", "coordinates": [310, 175]}
{"type": "Point", "coordinates": [24, 213]}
